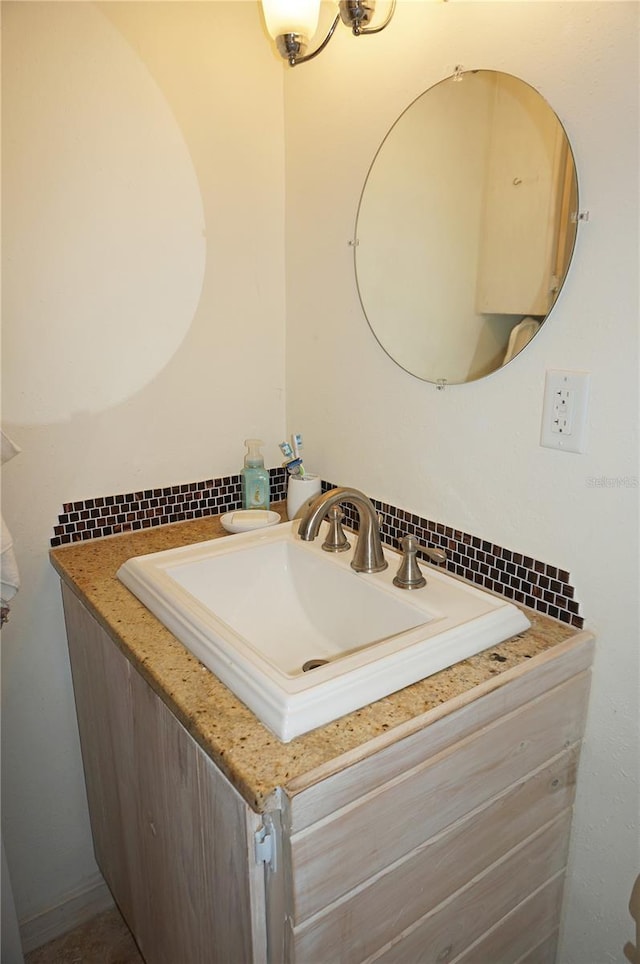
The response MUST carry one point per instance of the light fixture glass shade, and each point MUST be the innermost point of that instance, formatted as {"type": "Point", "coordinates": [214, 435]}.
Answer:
{"type": "Point", "coordinates": [291, 16]}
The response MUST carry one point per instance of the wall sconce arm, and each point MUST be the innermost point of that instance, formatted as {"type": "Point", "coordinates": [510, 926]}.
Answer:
{"type": "Point", "coordinates": [292, 43]}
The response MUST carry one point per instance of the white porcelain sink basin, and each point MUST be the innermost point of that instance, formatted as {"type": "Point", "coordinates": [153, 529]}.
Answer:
{"type": "Point", "coordinates": [255, 608]}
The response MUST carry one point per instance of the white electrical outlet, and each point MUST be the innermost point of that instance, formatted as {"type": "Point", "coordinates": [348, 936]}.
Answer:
{"type": "Point", "coordinates": [564, 413]}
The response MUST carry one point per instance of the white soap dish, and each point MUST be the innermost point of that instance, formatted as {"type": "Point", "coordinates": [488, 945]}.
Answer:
{"type": "Point", "coordinates": [243, 520]}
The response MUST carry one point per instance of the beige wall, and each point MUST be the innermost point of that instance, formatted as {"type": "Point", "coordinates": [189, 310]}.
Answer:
{"type": "Point", "coordinates": [143, 325]}
{"type": "Point", "coordinates": [470, 456]}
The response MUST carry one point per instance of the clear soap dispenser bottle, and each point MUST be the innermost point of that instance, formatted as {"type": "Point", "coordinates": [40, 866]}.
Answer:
{"type": "Point", "coordinates": [255, 478]}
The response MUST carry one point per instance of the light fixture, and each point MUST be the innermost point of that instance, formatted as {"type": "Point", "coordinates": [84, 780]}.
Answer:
{"type": "Point", "coordinates": [292, 23]}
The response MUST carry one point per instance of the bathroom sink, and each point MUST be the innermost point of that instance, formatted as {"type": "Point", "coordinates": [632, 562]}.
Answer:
{"type": "Point", "coordinates": [299, 636]}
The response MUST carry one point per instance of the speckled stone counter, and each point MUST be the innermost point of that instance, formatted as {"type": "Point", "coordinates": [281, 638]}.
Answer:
{"type": "Point", "coordinates": [254, 760]}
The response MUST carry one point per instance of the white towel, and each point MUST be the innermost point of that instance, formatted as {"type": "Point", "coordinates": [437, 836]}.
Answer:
{"type": "Point", "coordinates": [9, 575]}
{"type": "Point", "coordinates": [520, 336]}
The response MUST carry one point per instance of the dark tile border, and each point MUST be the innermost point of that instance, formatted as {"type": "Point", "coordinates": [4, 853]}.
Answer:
{"type": "Point", "coordinates": [113, 514]}
{"type": "Point", "coordinates": [524, 580]}
{"type": "Point", "coordinates": [520, 578]}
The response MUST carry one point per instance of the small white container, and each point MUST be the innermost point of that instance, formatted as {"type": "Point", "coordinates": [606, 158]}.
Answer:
{"type": "Point", "coordinates": [301, 489]}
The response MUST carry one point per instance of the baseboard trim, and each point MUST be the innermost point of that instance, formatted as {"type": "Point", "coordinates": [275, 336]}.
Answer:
{"type": "Point", "coordinates": [76, 908]}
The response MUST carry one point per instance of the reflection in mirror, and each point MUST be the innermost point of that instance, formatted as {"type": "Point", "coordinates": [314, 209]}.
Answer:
{"type": "Point", "coordinates": [466, 226]}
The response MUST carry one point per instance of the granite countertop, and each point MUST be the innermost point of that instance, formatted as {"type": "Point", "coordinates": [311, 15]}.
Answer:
{"type": "Point", "coordinates": [253, 759]}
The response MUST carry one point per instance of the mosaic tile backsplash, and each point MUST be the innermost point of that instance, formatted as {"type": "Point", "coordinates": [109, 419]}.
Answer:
{"type": "Point", "coordinates": [112, 514]}
{"type": "Point", "coordinates": [524, 580]}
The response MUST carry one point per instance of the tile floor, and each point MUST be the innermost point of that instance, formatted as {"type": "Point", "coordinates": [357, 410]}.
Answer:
{"type": "Point", "coordinates": [103, 940]}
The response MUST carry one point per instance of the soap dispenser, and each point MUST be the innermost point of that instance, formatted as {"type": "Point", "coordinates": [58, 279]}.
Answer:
{"type": "Point", "coordinates": [255, 478]}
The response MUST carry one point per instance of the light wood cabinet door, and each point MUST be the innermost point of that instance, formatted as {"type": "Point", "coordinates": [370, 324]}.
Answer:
{"type": "Point", "coordinates": [172, 837]}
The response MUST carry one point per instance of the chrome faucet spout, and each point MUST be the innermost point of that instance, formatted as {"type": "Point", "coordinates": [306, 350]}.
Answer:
{"type": "Point", "coordinates": [368, 555]}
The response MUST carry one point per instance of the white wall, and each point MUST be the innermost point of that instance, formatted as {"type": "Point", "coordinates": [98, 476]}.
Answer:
{"type": "Point", "coordinates": [470, 456]}
{"type": "Point", "coordinates": [143, 325]}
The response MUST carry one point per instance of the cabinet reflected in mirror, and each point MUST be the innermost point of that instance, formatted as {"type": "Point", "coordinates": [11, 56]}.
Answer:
{"type": "Point", "coordinates": [466, 226]}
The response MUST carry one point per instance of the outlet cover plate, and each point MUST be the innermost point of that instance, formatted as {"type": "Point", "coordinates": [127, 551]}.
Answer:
{"type": "Point", "coordinates": [564, 413]}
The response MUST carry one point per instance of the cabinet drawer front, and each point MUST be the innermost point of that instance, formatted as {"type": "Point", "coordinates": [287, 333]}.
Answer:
{"type": "Point", "coordinates": [332, 857]}
{"type": "Point", "coordinates": [544, 953]}
{"type": "Point", "coordinates": [520, 932]}
{"type": "Point", "coordinates": [459, 922]}
{"type": "Point", "coordinates": [316, 795]}
{"type": "Point", "coordinates": [358, 925]}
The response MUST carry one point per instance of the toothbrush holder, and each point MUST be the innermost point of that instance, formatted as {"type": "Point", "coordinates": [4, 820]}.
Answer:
{"type": "Point", "coordinates": [301, 488]}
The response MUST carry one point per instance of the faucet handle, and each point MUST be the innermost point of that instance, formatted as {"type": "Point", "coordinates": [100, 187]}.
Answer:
{"type": "Point", "coordinates": [409, 575]}
{"type": "Point", "coordinates": [336, 540]}
{"type": "Point", "coordinates": [435, 555]}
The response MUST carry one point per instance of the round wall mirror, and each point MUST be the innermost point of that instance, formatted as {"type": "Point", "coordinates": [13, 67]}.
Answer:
{"type": "Point", "coordinates": [466, 226]}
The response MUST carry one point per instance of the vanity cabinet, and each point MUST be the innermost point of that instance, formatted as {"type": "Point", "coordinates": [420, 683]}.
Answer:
{"type": "Point", "coordinates": [438, 842]}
